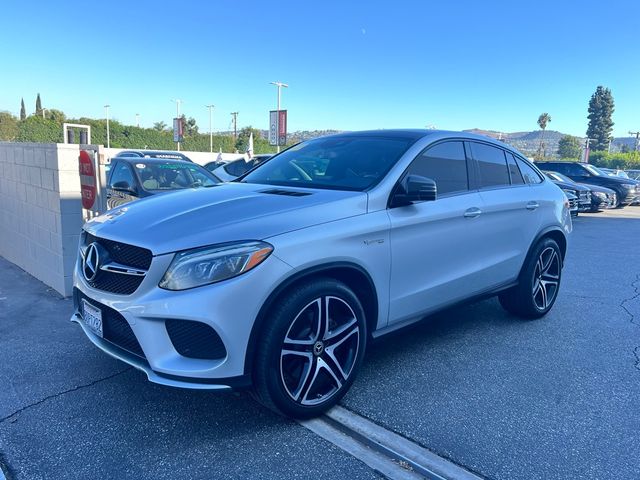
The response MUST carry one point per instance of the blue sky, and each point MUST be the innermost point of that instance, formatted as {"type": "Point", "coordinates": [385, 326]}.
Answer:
{"type": "Point", "coordinates": [350, 65]}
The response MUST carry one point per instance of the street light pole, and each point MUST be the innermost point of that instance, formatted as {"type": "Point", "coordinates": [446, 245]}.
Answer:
{"type": "Point", "coordinates": [106, 110]}
{"type": "Point", "coordinates": [138, 120]}
{"type": "Point", "coordinates": [279, 85]}
{"type": "Point", "coordinates": [210, 107]}
{"type": "Point", "coordinates": [178, 102]}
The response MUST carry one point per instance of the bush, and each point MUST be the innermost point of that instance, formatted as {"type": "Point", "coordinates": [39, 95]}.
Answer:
{"type": "Point", "coordinates": [630, 160]}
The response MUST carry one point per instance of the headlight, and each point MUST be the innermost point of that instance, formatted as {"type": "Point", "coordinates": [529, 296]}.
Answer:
{"type": "Point", "coordinates": [599, 195]}
{"type": "Point", "coordinates": [202, 266]}
{"type": "Point", "coordinates": [629, 186]}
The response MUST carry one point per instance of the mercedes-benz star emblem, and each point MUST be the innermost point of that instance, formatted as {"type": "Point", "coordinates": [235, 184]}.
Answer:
{"type": "Point", "coordinates": [91, 262]}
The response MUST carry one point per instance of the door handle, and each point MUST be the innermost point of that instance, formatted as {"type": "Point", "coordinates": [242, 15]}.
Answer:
{"type": "Point", "coordinates": [472, 212]}
{"type": "Point", "coordinates": [532, 205]}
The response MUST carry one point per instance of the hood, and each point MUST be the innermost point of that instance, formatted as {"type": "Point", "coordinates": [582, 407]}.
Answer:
{"type": "Point", "coordinates": [570, 186]}
{"type": "Point", "coordinates": [598, 188]}
{"type": "Point", "coordinates": [606, 180]}
{"type": "Point", "coordinates": [224, 213]}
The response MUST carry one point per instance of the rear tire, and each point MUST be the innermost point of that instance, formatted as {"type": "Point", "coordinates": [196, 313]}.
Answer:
{"type": "Point", "coordinates": [311, 349]}
{"type": "Point", "coordinates": [538, 284]}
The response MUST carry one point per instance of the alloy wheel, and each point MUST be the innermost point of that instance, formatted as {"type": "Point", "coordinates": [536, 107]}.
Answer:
{"type": "Point", "coordinates": [319, 350]}
{"type": "Point", "coordinates": [546, 278]}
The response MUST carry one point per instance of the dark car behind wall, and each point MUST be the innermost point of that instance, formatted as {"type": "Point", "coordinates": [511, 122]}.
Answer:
{"type": "Point", "coordinates": [627, 190]}
{"type": "Point", "coordinates": [133, 178]}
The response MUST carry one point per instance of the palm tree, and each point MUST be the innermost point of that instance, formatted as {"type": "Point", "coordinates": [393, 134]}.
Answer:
{"type": "Point", "coordinates": [543, 120]}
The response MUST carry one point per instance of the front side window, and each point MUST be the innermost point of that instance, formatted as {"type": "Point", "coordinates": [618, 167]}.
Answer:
{"type": "Point", "coordinates": [338, 163]}
{"type": "Point", "coordinates": [122, 173]}
{"type": "Point", "coordinates": [172, 176]}
{"type": "Point", "coordinates": [445, 163]}
{"type": "Point", "coordinates": [492, 165]}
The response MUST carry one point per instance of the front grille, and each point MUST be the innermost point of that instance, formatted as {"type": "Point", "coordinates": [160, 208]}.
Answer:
{"type": "Point", "coordinates": [115, 329]}
{"type": "Point", "coordinates": [195, 339]}
{"type": "Point", "coordinates": [573, 203]}
{"type": "Point", "coordinates": [585, 197]}
{"type": "Point", "coordinates": [124, 254]}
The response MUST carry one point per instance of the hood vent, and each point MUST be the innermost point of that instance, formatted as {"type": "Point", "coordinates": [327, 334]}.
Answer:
{"type": "Point", "coordinates": [287, 193]}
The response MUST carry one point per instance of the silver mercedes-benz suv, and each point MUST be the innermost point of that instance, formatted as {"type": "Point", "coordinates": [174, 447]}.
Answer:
{"type": "Point", "coordinates": [278, 280]}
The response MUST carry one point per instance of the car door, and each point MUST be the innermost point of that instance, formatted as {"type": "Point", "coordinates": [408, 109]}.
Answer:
{"type": "Point", "coordinates": [433, 244]}
{"type": "Point", "coordinates": [510, 211]}
{"type": "Point", "coordinates": [122, 187]}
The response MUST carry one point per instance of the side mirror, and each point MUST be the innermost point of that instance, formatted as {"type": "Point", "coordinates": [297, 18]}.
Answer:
{"type": "Point", "coordinates": [123, 186]}
{"type": "Point", "coordinates": [414, 188]}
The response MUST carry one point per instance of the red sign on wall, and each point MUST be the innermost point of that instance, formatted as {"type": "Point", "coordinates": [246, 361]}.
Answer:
{"type": "Point", "coordinates": [87, 180]}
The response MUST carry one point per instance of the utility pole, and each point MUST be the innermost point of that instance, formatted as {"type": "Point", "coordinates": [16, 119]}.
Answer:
{"type": "Point", "coordinates": [178, 102]}
{"type": "Point", "coordinates": [235, 125]}
{"type": "Point", "coordinates": [210, 107]}
{"type": "Point", "coordinates": [106, 110]}
{"type": "Point", "coordinates": [637, 135]}
{"type": "Point", "coordinates": [138, 120]}
{"type": "Point", "coordinates": [279, 85]}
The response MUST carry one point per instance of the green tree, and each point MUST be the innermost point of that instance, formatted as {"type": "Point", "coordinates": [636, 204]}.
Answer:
{"type": "Point", "coordinates": [189, 125]}
{"type": "Point", "coordinates": [543, 120]}
{"type": "Point", "coordinates": [601, 107]}
{"type": "Point", "coordinates": [159, 126]}
{"type": "Point", "coordinates": [243, 139]}
{"type": "Point", "coordinates": [8, 126]}
{"type": "Point", "coordinates": [23, 111]}
{"type": "Point", "coordinates": [569, 147]}
{"type": "Point", "coordinates": [38, 105]}
{"type": "Point", "coordinates": [56, 115]}
{"type": "Point", "coordinates": [38, 129]}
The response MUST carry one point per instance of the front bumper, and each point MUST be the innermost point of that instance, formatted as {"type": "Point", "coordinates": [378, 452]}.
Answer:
{"type": "Point", "coordinates": [229, 308]}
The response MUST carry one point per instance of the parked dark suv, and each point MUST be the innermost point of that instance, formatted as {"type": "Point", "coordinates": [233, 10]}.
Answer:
{"type": "Point", "coordinates": [627, 190]}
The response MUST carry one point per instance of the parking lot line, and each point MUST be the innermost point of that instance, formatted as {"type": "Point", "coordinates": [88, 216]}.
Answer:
{"type": "Point", "coordinates": [386, 452]}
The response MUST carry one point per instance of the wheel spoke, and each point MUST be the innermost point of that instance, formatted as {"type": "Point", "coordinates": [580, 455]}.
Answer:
{"type": "Point", "coordinates": [309, 380]}
{"type": "Point", "coordinates": [338, 335]}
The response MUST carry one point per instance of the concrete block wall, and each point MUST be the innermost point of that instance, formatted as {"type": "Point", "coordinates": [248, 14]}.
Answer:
{"type": "Point", "coordinates": [40, 210]}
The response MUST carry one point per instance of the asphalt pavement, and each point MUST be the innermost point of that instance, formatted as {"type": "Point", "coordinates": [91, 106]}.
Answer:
{"type": "Point", "coordinates": [69, 411]}
{"type": "Point", "coordinates": [555, 398]}
{"type": "Point", "coordinates": [505, 398]}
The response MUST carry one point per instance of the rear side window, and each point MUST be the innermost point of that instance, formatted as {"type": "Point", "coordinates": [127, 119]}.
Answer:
{"type": "Point", "coordinates": [528, 173]}
{"type": "Point", "coordinates": [492, 165]}
{"type": "Point", "coordinates": [514, 171]}
{"type": "Point", "coordinates": [444, 163]}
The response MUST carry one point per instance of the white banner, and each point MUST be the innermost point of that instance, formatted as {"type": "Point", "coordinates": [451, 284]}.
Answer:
{"type": "Point", "coordinates": [273, 127]}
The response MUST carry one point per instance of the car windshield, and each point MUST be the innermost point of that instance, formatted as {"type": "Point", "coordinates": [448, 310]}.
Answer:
{"type": "Point", "coordinates": [172, 175]}
{"type": "Point", "coordinates": [338, 163]}
{"type": "Point", "coordinates": [594, 171]}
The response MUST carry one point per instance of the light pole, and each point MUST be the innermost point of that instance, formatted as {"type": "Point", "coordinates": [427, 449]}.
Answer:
{"type": "Point", "coordinates": [586, 149]}
{"type": "Point", "coordinates": [637, 135]}
{"type": "Point", "coordinates": [106, 111]}
{"type": "Point", "coordinates": [279, 85]}
{"type": "Point", "coordinates": [138, 120]}
{"type": "Point", "coordinates": [178, 102]}
{"type": "Point", "coordinates": [210, 107]}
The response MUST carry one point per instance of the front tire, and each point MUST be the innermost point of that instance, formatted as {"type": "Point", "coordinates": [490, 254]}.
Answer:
{"type": "Point", "coordinates": [311, 349]}
{"type": "Point", "coordinates": [538, 284]}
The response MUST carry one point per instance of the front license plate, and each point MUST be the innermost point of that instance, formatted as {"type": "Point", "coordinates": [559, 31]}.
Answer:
{"type": "Point", "coordinates": [92, 317]}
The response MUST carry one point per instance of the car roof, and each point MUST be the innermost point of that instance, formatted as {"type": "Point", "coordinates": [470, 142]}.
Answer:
{"type": "Point", "coordinates": [153, 160]}
{"type": "Point", "coordinates": [167, 154]}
